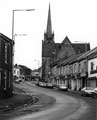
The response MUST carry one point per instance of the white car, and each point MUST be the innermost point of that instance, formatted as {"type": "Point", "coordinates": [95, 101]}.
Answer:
{"type": "Point", "coordinates": [62, 87]}
{"type": "Point", "coordinates": [49, 85]}
{"type": "Point", "coordinates": [87, 91]}
{"type": "Point", "coordinates": [41, 84]}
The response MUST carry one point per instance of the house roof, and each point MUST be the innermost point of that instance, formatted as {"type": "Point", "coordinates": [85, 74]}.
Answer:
{"type": "Point", "coordinates": [6, 38]}
{"type": "Point", "coordinates": [59, 62]}
{"type": "Point", "coordinates": [92, 56]}
{"type": "Point", "coordinates": [24, 67]}
{"type": "Point", "coordinates": [75, 58]}
{"type": "Point", "coordinates": [67, 61]}
{"type": "Point", "coordinates": [86, 54]}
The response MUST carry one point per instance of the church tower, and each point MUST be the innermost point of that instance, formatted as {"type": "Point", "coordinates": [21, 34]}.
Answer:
{"type": "Point", "coordinates": [48, 46]}
{"type": "Point", "coordinates": [48, 35]}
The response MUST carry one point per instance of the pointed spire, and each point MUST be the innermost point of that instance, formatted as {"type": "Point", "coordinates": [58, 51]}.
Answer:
{"type": "Point", "coordinates": [49, 25]}
{"type": "Point", "coordinates": [48, 35]}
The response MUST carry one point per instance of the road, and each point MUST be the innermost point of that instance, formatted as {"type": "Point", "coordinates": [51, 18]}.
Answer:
{"type": "Point", "coordinates": [69, 106]}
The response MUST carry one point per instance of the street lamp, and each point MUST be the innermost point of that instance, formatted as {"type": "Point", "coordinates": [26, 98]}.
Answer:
{"type": "Point", "coordinates": [13, 19]}
{"type": "Point", "coordinates": [13, 11]}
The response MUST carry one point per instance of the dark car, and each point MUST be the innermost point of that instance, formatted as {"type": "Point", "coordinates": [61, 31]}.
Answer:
{"type": "Point", "coordinates": [94, 93]}
{"type": "Point", "coordinates": [87, 91]}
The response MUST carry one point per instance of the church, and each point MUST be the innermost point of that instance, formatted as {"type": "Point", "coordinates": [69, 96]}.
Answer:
{"type": "Point", "coordinates": [54, 53]}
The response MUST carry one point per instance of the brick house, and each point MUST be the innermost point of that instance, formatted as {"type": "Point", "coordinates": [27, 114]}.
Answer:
{"type": "Point", "coordinates": [6, 57]}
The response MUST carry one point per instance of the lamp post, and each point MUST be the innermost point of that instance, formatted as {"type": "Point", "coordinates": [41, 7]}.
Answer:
{"type": "Point", "coordinates": [17, 10]}
{"type": "Point", "coordinates": [13, 11]}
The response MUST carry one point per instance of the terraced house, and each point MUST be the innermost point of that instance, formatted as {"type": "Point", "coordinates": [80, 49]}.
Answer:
{"type": "Point", "coordinates": [92, 69]}
{"type": "Point", "coordinates": [6, 55]}
{"type": "Point", "coordinates": [78, 71]}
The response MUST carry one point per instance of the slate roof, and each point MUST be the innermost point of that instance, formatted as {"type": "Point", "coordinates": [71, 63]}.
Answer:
{"type": "Point", "coordinates": [6, 38]}
{"type": "Point", "coordinates": [69, 60]}
{"type": "Point", "coordinates": [92, 56]}
{"type": "Point", "coordinates": [86, 54]}
{"type": "Point", "coordinates": [75, 58]}
{"type": "Point", "coordinates": [24, 67]}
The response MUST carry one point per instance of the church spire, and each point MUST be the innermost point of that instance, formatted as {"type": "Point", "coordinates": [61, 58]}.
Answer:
{"type": "Point", "coordinates": [48, 36]}
{"type": "Point", "coordinates": [49, 25]}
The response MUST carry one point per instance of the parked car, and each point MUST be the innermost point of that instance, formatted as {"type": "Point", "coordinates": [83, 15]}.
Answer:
{"type": "Point", "coordinates": [94, 93]}
{"type": "Point", "coordinates": [87, 91]}
{"type": "Point", "coordinates": [49, 85]}
{"type": "Point", "coordinates": [18, 80]}
{"type": "Point", "coordinates": [62, 87]}
{"type": "Point", "coordinates": [44, 84]}
{"type": "Point", "coordinates": [41, 84]}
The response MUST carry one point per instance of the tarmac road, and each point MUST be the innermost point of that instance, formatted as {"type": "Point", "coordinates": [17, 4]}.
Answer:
{"type": "Point", "coordinates": [65, 108]}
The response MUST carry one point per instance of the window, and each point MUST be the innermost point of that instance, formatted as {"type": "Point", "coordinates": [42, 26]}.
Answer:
{"type": "Point", "coordinates": [85, 66]}
{"type": "Point", "coordinates": [6, 47]}
{"type": "Point", "coordinates": [96, 67]}
{"type": "Point", "coordinates": [5, 79]}
{"type": "Point", "coordinates": [92, 66]}
{"type": "Point", "coordinates": [9, 53]}
{"type": "Point", "coordinates": [9, 80]}
{"type": "Point", "coordinates": [14, 71]}
{"type": "Point", "coordinates": [79, 68]}
{"type": "Point", "coordinates": [0, 78]}
{"type": "Point", "coordinates": [74, 68]}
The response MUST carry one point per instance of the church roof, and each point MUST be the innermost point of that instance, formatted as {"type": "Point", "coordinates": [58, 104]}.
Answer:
{"type": "Point", "coordinates": [81, 47]}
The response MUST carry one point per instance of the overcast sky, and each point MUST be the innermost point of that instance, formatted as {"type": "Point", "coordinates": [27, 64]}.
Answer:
{"type": "Point", "coordinates": [76, 19]}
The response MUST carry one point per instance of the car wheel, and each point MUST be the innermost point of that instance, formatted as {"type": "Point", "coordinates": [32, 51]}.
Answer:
{"type": "Point", "coordinates": [94, 96]}
{"type": "Point", "coordinates": [81, 94]}
{"type": "Point", "coordinates": [84, 94]}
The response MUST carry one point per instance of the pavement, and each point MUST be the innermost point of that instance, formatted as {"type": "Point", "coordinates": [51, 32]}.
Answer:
{"type": "Point", "coordinates": [19, 98]}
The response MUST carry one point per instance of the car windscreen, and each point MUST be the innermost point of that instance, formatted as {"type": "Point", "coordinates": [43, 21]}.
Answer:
{"type": "Point", "coordinates": [89, 88]}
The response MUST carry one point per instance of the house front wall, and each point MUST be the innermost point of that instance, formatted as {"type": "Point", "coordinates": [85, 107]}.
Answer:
{"type": "Point", "coordinates": [83, 69]}
{"type": "Point", "coordinates": [75, 68]}
{"type": "Point", "coordinates": [64, 70]}
{"type": "Point", "coordinates": [16, 72]}
{"type": "Point", "coordinates": [5, 66]}
{"type": "Point", "coordinates": [92, 72]}
{"type": "Point", "coordinates": [75, 80]}
{"type": "Point", "coordinates": [94, 61]}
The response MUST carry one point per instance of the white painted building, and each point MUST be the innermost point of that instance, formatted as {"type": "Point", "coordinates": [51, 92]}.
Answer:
{"type": "Point", "coordinates": [16, 72]}
{"type": "Point", "coordinates": [92, 70]}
